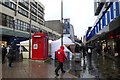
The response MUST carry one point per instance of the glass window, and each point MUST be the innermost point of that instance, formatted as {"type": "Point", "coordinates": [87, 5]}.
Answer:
{"type": "Point", "coordinates": [8, 22]}
{"type": "Point", "coordinates": [18, 25]}
{"type": "Point", "coordinates": [33, 17]}
{"type": "Point", "coordinates": [28, 26]}
{"type": "Point", "coordinates": [13, 6]}
{"type": "Point", "coordinates": [7, 3]}
{"type": "Point", "coordinates": [24, 27]}
{"type": "Point", "coordinates": [11, 22]}
{"type": "Point", "coordinates": [3, 20]}
{"type": "Point", "coordinates": [22, 11]}
{"type": "Point", "coordinates": [21, 25]}
{"type": "Point", "coordinates": [20, 0]}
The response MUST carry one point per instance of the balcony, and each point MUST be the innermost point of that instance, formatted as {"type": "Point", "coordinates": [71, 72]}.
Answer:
{"type": "Point", "coordinates": [24, 4]}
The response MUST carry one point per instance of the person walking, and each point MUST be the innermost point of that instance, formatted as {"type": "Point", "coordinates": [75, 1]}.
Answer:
{"type": "Point", "coordinates": [60, 55]}
{"type": "Point", "coordinates": [89, 51]}
{"type": "Point", "coordinates": [10, 56]}
{"type": "Point", "coordinates": [84, 52]}
{"type": "Point", "coordinates": [4, 52]}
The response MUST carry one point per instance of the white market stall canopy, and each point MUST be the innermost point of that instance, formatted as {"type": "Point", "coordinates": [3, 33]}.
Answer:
{"type": "Point", "coordinates": [55, 45]}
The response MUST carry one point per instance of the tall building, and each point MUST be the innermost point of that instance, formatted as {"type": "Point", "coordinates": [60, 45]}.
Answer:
{"type": "Point", "coordinates": [19, 19]}
{"type": "Point", "coordinates": [106, 29]}
{"type": "Point", "coordinates": [56, 25]}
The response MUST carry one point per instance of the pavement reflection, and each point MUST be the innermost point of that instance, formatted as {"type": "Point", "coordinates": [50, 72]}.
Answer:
{"type": "Point", "coordinates": [98, 67]}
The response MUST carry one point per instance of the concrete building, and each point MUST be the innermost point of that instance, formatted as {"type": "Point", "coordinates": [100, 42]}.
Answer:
{"type": "Point", "coordinates": [54, 25]}
{"type": "Point", "coordinates": [57, 26]}
{"type": "Point", "coordinates": [106, 29]}
{"type": "Point", "coordinates": [19, 19]}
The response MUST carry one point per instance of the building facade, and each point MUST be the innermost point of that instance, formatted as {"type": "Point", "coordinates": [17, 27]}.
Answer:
{"type": "Point", "coordinates": [106, 29]}
{"type": "Point", "coordinates": [54, 25]}
{"type": "Point", "coordinates": [21, 18]}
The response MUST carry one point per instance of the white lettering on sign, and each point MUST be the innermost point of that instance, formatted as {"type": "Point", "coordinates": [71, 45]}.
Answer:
{"type": "Point", "coordinates": [35, 46]}
{"type": "Point", "coordinates": [37, 36]}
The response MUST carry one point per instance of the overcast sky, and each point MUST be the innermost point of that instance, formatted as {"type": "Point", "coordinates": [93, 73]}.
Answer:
{"type": "Point", "coordinates": [80, 12]}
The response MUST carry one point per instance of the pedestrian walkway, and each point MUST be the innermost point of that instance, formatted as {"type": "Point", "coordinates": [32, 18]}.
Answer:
{"type": "Point", "coordinates": [32, 69]}
{"type": "Point", "coordinates": [108, 67]}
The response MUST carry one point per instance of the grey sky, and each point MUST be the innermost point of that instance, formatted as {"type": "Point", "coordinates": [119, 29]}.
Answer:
{"type": "Point", "coordinates": [80, 12]}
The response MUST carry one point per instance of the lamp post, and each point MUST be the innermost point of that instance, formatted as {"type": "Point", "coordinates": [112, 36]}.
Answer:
{"type": "Point", "coordinates": [62, 22]}
{"type": "Point", "coordinates": [30, 35]}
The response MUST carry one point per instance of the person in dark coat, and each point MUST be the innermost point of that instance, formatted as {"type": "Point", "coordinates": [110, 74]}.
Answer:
{"type": "Point", "coordinates": [10, 56]}
{"type": "Point", "coordinates": [4, 52]}
{"type": "Point", "coordinates": [89, 52]}
{"type": "Point", "coordinates": [84, 52]}
{"type": "Point", "coordinates": [60, 55]}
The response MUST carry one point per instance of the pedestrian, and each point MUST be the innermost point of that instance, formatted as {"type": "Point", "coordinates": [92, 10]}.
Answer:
{"type": "Point", "coordinates": [10, 56]}
{"type": "Point", "coordinates": [105, 50]}
{"type": "Point", "coordinates": [89, 51]}
{"type": "Point", "coordinates": [4, 52]}
{"type": "Point", "coordinates": [60, 55]}
{"type": "Point", "coordinates": [84, 52]}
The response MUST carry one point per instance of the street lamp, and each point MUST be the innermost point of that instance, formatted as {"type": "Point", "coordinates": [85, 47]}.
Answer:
{"type": "Point", "coordinates": [30, 34]}
{"type": "Point", "coordinates": [62, 22]}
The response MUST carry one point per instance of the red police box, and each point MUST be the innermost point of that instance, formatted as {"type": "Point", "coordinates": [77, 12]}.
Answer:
{"type": "Point", "coordinates": [39, 46]}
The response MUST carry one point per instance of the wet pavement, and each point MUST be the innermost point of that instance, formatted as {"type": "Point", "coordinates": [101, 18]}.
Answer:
{"type": "Point", "coordinates": [103, 67]}
{"type": "Point", "coordinates": [108, 67]}
{"type": "Point", "coordinates": [80, 69]}
{"type": "Point", "coordinates": [100, 67]}
{"type": "Point", "coordinates": [31, 69]}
